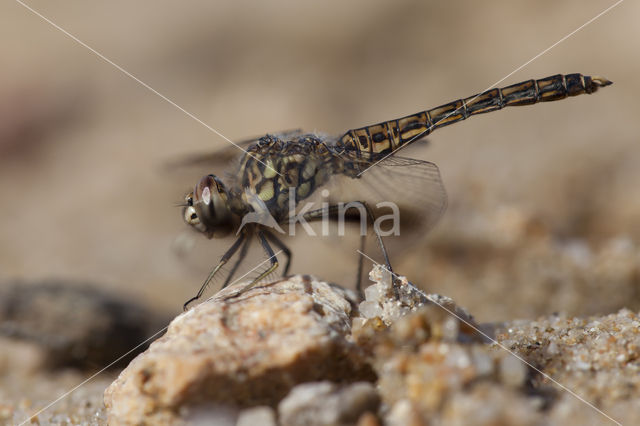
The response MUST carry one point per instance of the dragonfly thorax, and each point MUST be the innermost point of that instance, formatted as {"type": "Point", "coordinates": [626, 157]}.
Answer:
{"type": "Point", "coordinates": [207, 208]}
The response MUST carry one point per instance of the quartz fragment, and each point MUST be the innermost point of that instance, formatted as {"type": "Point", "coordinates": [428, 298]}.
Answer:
{"type": "Point", "coordinates": [393, 297]}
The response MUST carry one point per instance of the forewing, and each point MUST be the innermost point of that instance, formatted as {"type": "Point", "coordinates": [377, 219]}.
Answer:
{"type": "Point", "coordinates": [222, 158]}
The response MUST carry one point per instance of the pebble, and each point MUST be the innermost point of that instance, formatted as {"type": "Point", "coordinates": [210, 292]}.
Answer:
{"type": "Point", "coordinates": [326, 403]}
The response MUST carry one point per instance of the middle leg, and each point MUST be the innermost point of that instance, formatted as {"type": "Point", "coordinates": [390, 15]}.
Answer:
{"type": "Point", "coordinates": [272, 259]}
{"type": "Point", "coordinates": [241, 256]}
{"type": "Point", "coordinates": [287, 252]}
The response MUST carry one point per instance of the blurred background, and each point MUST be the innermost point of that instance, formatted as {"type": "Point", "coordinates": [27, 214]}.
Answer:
{"type": "Point", "coordinates": [543, 200]}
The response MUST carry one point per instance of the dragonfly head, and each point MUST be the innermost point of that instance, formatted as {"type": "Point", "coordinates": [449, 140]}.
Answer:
{"type": "Point", "coordinates": [207, 209]}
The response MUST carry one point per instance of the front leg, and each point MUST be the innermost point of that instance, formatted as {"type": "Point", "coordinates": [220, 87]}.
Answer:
{"type": "Point", "coordinates": [224, 259]}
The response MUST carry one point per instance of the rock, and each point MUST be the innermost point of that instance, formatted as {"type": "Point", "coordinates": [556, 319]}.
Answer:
{"type": "Point", "coordinates": [204, 415]}
{"type": "Point", "coordinates": [432, 355]}
{"type": "Point", "coordinates": [263, 416]}
{"type": "Point", "coordinates": [242, 350]}
{"type": "Point", "coordinates": [490, 404]}
{"type": "Point", "coordinates": [76, 324]}
{"type": "Point", "coordinates": [440, 317]}
{"type": "Point", "coordinates": [325, 403]}
{"type": "Point", "coordinates": [291, 345]}
{"type": "Point", "coordinates": [381, 300]}
{"type": "Point", "coordinates": [404, 414]}
{"type": "Point", "coordinates": [426, 378]}
{"type": "Point", "coordinates": [418, 381]}
{"type": "Point", "coordinates": [596, 357]}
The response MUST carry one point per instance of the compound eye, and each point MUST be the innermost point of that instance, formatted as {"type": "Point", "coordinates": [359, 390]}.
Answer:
{"type": "Point", "coordinates": [190, 216]}
{"type": "Point", "coordinates": [204, 188]}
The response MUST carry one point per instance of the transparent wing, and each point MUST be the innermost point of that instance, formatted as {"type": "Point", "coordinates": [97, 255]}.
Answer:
{"type": "Point", "coordinates": [221, 158]}
{"type": "Point", "coordinates": [414, 186]}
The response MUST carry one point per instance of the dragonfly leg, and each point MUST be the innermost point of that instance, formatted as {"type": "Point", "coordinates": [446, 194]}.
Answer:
{"type": "Point", "coordinates": [287, 252]}
{"type": "Point", "coordinates": [225, 258]}
{"type": "Point", "coordinates": [332, 212]}
{"type": "Point", "coordinates": [272, 258]}
{"type": "Point", "coordinates": [382, 247]}
{"type": "Point", "coordinates": [241, 256]}
{"type": "Point", "coordinates": [363, 239]}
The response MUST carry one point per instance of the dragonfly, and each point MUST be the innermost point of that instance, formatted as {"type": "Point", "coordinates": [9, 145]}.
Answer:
{"type": "Point", "coordinates": [360, 166]}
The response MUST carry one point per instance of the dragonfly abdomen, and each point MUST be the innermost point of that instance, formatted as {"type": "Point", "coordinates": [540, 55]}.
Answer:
{"type": "Point", "coordinates": [388, 136]}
